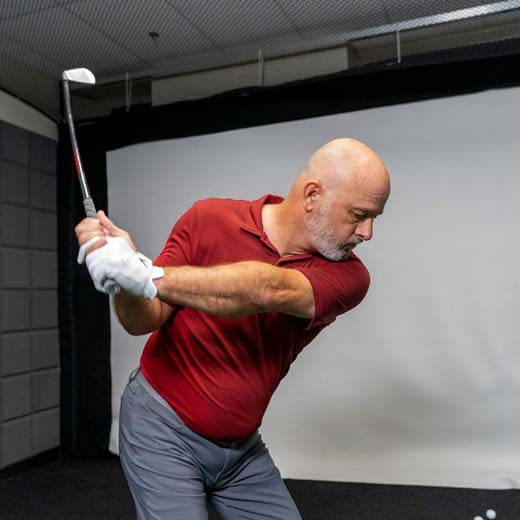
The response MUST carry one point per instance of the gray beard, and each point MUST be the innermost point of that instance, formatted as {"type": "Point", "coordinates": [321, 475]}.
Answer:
{"type": "Point", "coordinates": [320, 231]}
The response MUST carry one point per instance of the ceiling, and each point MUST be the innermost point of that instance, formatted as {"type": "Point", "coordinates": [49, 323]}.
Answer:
{"type": "Point", "coordinates": [129, 44]}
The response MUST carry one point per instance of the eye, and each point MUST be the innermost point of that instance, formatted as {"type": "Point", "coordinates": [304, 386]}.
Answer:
{"type": "Point", "coordinates": [358, 217]}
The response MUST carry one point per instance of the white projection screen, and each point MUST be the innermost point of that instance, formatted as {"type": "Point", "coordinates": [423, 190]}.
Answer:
{"type": "Point", "coordinates": [420, 384]}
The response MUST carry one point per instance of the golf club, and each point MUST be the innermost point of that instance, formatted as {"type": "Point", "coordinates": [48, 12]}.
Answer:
{"type": "Point", "coordinates": [86, 77]}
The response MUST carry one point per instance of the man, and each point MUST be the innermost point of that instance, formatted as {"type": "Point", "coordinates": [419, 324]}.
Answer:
{"type": "Point", "coordinates": [240, 288]}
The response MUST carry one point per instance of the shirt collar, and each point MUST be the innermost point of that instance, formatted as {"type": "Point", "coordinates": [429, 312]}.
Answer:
{"type": "Point", "coordinates": [252, 221]}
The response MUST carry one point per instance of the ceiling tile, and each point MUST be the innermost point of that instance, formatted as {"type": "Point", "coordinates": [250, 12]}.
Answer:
{"type": "Point", "coordinates": [331, 19]}
{"type": "Point", "coordinates": [26, 57]}
{"type": "Point", "coordinates": [65, 39]}
{"type": "Point", "coordinates": [11, 8]}
{"type": "Point", "coordinates": [130, 23]}
{"type": "Point", "coordinates": [229, 23]}
{"type": "Point", "coordinates": [28, 83]}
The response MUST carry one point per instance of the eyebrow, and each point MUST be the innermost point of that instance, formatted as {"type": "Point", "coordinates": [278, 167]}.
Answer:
{"type": "Point", "coordinates": [368, 211]}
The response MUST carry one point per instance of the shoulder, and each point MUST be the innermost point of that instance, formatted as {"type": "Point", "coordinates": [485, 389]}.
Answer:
{"type": "Point", "coordinates": [338, 287]}
{"type": "Point", "coordinates": [356, 277]}
{"type": "Point", "coordinates": [212, 205]}
{"type": "Point", "coordinates": [357, 272]}
{"type": "Point", "coordinates": [352, 267]}
{"type": "Point", "coordinates": [348, 279]}
{"type": "Point", "coordinates": [220, 210]}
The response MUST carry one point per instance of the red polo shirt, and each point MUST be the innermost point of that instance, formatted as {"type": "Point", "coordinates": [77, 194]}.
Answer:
{"type": "Point", "coordinates": [219, 373]}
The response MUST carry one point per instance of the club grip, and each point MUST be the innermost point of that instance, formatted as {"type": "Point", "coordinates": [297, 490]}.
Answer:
{"type": "Point", "coordinates": [90, 209]}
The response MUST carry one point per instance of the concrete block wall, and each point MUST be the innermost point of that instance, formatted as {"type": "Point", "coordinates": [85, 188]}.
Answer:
{"type": "Point", "coordinates": [29, 341]}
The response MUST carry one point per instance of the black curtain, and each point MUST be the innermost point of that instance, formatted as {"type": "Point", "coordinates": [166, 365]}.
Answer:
{"type": "Point", "coordinates": [84, 318]}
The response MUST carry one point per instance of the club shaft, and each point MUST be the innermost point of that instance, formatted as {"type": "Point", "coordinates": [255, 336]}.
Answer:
{"type": "Point", "coordinates": [88, 203]}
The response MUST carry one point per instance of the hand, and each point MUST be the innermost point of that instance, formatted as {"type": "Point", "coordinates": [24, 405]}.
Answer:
{"type": "Point", "coordinates": [89, 232]}
{"type": "Point", "coordinates": [93, 234]}
{"type": "Point", "coordinates": [117, 266]}
{"type": "Point", "coordinates": [134, 273]}
{"type": "Point", "coordinates": [98, 260]}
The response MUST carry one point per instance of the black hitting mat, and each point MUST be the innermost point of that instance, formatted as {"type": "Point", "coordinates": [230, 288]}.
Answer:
{"type": "Point", "coordinates": [95, 489]}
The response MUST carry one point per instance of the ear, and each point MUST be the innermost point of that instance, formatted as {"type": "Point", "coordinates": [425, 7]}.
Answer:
{"type": "Point", "coordinates": [312, 195]}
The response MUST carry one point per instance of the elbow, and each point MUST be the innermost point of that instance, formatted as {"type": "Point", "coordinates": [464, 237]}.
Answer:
{"type": "Point", "coordinates": [274, 300]}
{"type": "Point", "coordinates": [290, 292]}
{"type": "Point", "coordinates": [137, 332]}
{"type": "Point", "coordinates": [135, 328]}
{"type": "Point", "coordinates": [140, 329]}
{"type": "Point", "coordinates": [292, 302]}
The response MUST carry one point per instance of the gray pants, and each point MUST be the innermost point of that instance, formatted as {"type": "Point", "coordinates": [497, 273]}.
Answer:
{"type": "Point", "coordinates": [172, 471]}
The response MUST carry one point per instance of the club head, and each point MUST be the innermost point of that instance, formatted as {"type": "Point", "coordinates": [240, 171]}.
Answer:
{"type": "Point", "coordinates": [79, 76]}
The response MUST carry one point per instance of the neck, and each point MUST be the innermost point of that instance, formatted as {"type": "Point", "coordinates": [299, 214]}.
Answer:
{"type": "Point", "coordinates": [282, 229]}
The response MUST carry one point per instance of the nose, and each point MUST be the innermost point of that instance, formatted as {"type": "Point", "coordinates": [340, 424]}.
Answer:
{"type": "Point", "coordinates": [365, 229]}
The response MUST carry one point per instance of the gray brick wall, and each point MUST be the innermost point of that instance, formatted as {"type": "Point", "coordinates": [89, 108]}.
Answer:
{"type": "Point", "coordinates": [29, 340]}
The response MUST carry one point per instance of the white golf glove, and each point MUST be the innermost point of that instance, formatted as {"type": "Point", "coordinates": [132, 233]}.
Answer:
{"type": "Point", "coordinates": [135, 274]}
{"type": "Point", "coordinates": [117, 266]}
{"type": "Point", "coordinates": [97, 270]}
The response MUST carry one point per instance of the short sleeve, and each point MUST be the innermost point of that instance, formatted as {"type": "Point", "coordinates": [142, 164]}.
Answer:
{"type": "Point", "coordinates": [180, 247]}
{"type": "Point", "coordinates": [338, 287]}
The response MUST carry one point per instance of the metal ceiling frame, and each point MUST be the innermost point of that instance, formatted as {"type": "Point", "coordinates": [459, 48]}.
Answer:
{"type": "Point", "coordinates": [437, 19]}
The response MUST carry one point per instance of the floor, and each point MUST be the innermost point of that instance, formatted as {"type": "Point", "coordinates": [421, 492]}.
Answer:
{"type": "Point", "coordinates": [95, 489]}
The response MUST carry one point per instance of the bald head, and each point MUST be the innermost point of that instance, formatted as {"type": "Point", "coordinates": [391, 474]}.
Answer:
{"type": "Point", "coordinates": [332, 204]}
{"type": "Point", "coordinates": [343, 161]}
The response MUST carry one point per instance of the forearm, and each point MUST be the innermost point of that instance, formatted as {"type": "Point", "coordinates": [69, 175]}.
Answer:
{"type": "Point", "coordinates": [236, 289]}
{"type": "Point", "coordinates": [137, 315]}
